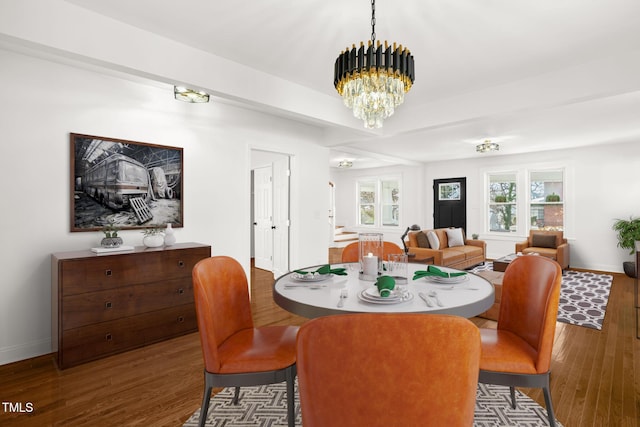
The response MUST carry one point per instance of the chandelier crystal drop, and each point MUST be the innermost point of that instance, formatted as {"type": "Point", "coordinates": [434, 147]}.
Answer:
{"type": "Point", "coordinates": [373, 81]}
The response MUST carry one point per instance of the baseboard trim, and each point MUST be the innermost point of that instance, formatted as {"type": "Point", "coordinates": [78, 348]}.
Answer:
{"type": "Point", "coordinates": [25, 351]}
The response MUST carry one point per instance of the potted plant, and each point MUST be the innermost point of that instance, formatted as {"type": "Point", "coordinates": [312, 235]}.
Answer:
{"type": "Point", "coordinates": [628, 233]}
{"type": "Point", "coordinates": [153, 236]}
{"type": "Point", "coordinates": [474, 236]}
{"type": "Point", "coordinates": [111, 239]}
{"type": "Point", "coordinates": [553, 197]}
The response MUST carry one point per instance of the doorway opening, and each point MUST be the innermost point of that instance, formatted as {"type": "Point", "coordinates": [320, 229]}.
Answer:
{"type": "Point", "coordinates": [270, 211]}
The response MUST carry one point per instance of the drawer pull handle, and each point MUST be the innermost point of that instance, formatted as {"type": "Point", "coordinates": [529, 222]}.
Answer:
{"type": "Point", "coordinates": [180, 264]}
{"type": "Point", "coordinates": [108, 337]}
{"type": "Point", "coordinates": [108, 304]}
{"type": "Point", "coordinates": [107, 272]}
{"type": "Point", "coordinates": [181, 291]}
{"type": "Point", "coordinates": [180, 319]}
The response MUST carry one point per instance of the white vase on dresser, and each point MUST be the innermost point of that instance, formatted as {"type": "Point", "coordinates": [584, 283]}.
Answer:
{"type": "Point", "coordinates": [169, 235]}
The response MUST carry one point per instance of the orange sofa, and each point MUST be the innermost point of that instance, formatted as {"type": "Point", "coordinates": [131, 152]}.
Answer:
{"type": "Point", "coordinates": [551, 244]}
{"type": "Point", "coordinates": [464, 254]}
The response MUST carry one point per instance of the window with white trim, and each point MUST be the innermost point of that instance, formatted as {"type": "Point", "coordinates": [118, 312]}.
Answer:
{"type": "Point", "coordinates": [502, 207]}
{"type": "Point", "coordinates": [379, 202]}
{"type": "Point", "coordinates": [546, 199]}
{"type": "Point", "coordinates": [537, 194]}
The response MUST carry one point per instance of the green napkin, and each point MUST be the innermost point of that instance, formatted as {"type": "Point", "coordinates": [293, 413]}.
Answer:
{"type": "Point", "coordinates": [435, 271]}
{"type": "Point", "coordinates": [385, 285]}
{"type": "Point", "coordinates": [326, 269]}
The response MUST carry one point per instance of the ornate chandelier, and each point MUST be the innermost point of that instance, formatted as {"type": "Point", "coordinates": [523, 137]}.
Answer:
{"type": "Point", "coordinates": [373, 82]}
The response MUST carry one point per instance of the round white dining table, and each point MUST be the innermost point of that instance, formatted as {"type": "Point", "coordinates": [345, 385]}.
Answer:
{"type": "Point", "coordinates": [321, 298]}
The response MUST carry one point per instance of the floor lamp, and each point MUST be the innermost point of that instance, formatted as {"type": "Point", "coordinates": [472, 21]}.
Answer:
{"type": "Point", "coordinates": [414, 227]}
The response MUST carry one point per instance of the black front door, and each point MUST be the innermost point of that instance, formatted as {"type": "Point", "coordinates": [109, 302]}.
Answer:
{"type": "Point", "coordinates": [450, 203]}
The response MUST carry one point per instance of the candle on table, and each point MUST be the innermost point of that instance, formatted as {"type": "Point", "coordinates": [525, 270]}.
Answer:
{"type": "Point", "coordinates": [370, 265]}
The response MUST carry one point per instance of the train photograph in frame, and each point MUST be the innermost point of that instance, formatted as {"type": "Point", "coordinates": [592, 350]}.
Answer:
{"type": "Point", "coordinates": [125, 184]}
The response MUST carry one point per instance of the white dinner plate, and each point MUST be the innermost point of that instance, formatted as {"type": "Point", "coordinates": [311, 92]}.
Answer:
{"type": "Point", "coordinates": [447, 280]}
{"type": "Point", "coordinates": [309, 277]}
{"type": "Point", "coordinates": [373, 293]}
{"type": "Point", "coordinates": [368, 296]}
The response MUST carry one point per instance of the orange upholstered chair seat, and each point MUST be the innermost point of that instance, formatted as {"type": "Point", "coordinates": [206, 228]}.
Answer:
{"type": "Point", "coordinates": [258, 349]}
{"type": "Point", "coordinates": [505, 351]}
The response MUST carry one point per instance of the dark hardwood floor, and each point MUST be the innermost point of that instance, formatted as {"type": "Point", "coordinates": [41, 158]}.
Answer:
{"type": "Point", "coordinates": [595, 375]}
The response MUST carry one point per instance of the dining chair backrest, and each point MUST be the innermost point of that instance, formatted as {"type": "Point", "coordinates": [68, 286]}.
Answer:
{"type": "Point", "coordinates": [350, 253]}
{"type": "Point", "coordinates": [529, 304]}
{"type": "Point", "coordinates": [387, 369]}
{"type": "Point", "coordinates": [223, 307]}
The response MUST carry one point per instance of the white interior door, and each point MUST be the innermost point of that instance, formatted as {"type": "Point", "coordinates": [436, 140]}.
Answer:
{"type": "Point", "coordinates": [262, 217]}
{"type": "Point", "coordinates": [281, 223]}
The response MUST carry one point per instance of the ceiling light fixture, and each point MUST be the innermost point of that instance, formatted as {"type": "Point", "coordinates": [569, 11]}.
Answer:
{"type": "Point", "coordinates": [487, 146]}
{"type": "Point", "coordinates": [373, 82]}
{"type": "Point", "coordinates": [189, 95]}
{"type": "Point", "coordinates": [345, 164]}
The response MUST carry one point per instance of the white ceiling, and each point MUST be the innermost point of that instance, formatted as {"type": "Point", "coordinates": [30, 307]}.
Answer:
{"type": "Point", "coordinates": [530, 75]}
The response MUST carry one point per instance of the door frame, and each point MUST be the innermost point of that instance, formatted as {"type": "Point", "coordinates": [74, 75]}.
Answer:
{"type": "Point", "coordinates": [454, 197]}
{"type": "Point", "coordinates": [260, 158]}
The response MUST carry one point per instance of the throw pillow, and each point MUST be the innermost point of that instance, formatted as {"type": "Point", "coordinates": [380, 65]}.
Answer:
{"type": "Point", "coordinates": [454, 235]}
{"type": "Point", "coordinates": [434, 242]}
{"type": "Point", "coordinates": [543, 240]}
{"type": "Point", "coordinates": [423, 242]}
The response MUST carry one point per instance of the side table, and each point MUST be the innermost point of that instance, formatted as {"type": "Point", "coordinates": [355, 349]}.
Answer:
{"type": "Point", "coordinates": [501, 264]}
{"type": "Point", "coordinates": [495, 277]}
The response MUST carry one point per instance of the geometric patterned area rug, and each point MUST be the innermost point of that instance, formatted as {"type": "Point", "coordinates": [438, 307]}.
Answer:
{"type": "Point", "coordinates": [265, 406]}
{"type": "Point", "coordinates": [583, 297]}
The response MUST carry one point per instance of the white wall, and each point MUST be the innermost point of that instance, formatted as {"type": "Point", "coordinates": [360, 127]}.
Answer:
{"type": "Point", "coordinates": [43, 101]}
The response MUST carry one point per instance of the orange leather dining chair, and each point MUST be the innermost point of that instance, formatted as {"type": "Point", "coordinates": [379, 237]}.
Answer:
{"type": "Point", "coordinates": [235, 352]}
{"type": "Point", "coordinates": [388, 369]}
{"type": "Point", "coordinates": [350, 253]}
{"type": "Point", "coordinates": [518, 352]}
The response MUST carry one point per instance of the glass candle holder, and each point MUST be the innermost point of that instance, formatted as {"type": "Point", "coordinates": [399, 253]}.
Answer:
{"type": "Point", "coordinates": [370, 255]}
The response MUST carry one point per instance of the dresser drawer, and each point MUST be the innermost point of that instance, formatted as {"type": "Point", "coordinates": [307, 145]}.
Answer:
{"type": "Point", "coordinates": [99, 273]}
{"type": "Point", "coordinates": [171, 322]}
{"type": "Point", "coordinates": [101, 306]}
{"type": "Point", "coordinates": [102, 339]}
{"type": "Point", "coordinates": [93, 274]}
{"type": "Point", "coordinates": [175, 264]}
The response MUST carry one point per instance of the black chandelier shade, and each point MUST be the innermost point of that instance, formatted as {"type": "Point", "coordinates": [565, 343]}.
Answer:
{"type": "Point", "coordinates": [394, 61]}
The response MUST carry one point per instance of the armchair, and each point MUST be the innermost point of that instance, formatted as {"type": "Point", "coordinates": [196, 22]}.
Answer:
{"type": "Point", "coordinates": [550, 244]}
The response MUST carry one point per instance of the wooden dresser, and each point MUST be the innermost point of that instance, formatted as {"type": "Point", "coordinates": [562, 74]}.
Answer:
{"type": "Point", "coordinates": [107, 304]}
